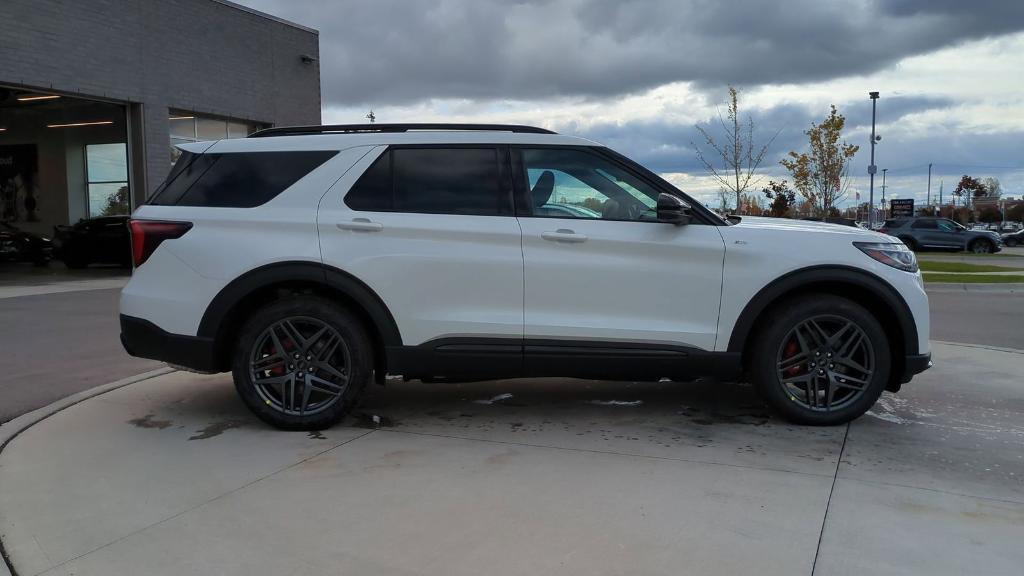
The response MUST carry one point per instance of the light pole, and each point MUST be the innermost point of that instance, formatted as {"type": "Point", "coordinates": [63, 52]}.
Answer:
{"type": "Point", "coordinates": [884, 170]}
{"type": "Point", "coordinates": [872, 168]}
{"type": "Point", "coordinates": [929, 202]}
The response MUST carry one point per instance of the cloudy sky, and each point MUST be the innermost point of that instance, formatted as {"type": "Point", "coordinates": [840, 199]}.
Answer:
{"type": "Point", "coordinates": [638, 76]}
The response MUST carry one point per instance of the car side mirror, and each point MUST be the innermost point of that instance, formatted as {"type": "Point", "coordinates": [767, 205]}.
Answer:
{"type": "Point", "coordinates": [673, 210]}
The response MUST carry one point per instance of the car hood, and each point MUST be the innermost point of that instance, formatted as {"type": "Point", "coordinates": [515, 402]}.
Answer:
{"type": "Point", "coordinates": [810, 226]}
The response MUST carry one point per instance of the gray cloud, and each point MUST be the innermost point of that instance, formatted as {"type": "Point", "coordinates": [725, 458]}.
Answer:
{"type": "Point", "coordinates": [379, 52]}
{"type": "Point", "coordinates": [666, 147]}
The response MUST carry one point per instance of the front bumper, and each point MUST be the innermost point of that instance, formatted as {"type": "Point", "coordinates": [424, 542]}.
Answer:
{"type": "Point", "coordinates": [143, 339]}
{"type": "Point", "coordinates": [915, 364]}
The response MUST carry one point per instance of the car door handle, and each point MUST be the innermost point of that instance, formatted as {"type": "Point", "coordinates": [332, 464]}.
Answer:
{"type": "Point", "coordinates": [361, 225]}
{"type": "Point", "coordinates": [563, 235]}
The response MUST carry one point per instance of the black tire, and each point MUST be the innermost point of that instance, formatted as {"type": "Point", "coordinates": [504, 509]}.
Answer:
{"type": "Point", "coordinates": [1011, 242]}
{"type": "Point", "coordinates": [981, 247]}
{"type": "Point", "coordinates": [776, 337]}
{"type": "Point", "coordinates": [909, 242]}
{"type": "Point", "coordinates": [309, 311]}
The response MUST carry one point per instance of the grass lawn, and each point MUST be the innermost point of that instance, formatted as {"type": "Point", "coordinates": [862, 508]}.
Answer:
{"type": "Point", "coordinates": [936, 266]}
{"type": "Point", "coordinates": [972, 278]}
{"type": "Point", "coordinates": [945, 255]}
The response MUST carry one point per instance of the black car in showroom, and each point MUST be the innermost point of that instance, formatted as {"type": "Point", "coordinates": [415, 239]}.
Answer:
{"type": "Point", "coordinates": [103, 240]}
{"type": "Point", "coordinates": [16, 245]}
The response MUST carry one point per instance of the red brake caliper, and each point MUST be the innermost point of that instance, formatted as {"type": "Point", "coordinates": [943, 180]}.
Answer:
{"type": "Point", "coordinates": [791, 350]}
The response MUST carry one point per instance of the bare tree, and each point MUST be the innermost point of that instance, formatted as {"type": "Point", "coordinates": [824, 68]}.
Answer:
{"type": "Point", "coordinates": [993, 189]}
{"type": "Point", "coordinates": [740, 158]}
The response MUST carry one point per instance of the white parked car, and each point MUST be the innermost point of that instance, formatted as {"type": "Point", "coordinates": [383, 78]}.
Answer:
{"type": "Point", "coordinates": [309, 261]}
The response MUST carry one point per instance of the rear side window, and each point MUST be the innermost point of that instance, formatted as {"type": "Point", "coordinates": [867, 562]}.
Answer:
{"type": "Point", "coordinates": [237, 179]}
{"type": "Point", "coordinates": [433, 181]}
{"type": "Point", "coordinates": [924, 224]}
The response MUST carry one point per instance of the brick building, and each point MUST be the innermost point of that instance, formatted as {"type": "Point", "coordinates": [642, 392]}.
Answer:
{"type": "Point", "coordinates": [95, 93]}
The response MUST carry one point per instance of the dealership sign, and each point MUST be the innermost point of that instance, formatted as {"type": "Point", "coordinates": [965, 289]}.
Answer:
{"type": "Point", "coordinates": [901, 207]}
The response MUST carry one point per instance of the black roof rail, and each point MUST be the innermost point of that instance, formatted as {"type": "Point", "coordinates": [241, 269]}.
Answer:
{"type": "Point", "coordinates": [372, 128]}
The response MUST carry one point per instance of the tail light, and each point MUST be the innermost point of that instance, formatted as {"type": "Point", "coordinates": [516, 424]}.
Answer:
{"type": "Point", "coordinates": [148, 234]}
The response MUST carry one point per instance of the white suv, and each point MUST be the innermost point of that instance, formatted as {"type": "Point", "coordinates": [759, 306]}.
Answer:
{"type": "Point", "coordinates": [309, 261]}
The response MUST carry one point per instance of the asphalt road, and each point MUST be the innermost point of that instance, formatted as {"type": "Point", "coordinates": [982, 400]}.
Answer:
{"type": "Point", "coordinates": [991, 319]}
{"type": "Point", "coordinates": [54, 345]}
{"type": "Point", "coordinates": [57, 344]}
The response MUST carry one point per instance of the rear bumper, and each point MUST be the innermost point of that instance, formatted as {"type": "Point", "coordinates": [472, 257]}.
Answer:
{"type": "Point", "coordinates": [143, 339]}
{"type": "Point", "coordinates": [915, 364]}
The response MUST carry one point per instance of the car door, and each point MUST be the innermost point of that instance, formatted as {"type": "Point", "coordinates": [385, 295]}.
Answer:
{"type": "Point", "coordinates": [926, 232]}
{"type": "Point", "coordinates": [950, 234]}
{"type": "Point", "coordinates": [431, 230]}
{"type": "Point", "coordinates": [610, 274]}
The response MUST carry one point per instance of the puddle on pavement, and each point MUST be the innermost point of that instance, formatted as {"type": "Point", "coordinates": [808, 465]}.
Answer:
{"type": "Point", "coordinates": [215, 429]}
{"type": "Point", "coordinates": [150, 421]}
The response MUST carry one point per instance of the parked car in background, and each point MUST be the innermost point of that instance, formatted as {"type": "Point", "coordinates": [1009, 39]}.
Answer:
{"type": "Point", "coordinates": [941, 234]}
{"type": "Point", "coordinates": [104, 240]}
{"type": "Point", "coordinates": [19, 246]}
{"type": "Point", "coordinates": [1014, 238]}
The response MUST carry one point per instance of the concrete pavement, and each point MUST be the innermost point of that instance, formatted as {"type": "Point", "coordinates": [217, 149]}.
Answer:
{"type": "Point", "coordinates": [171, 475]}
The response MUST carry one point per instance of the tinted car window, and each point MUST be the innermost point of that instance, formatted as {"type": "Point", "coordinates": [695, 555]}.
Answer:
{"type": "Point", "coordinates": [187, 170]}
{"type": "Point", "coordinates": [924, 224]}
{"type": "Point", "coordinates": [432, 180]}
{"type": "Point", "coordinates": [239, 180]}
{"type": "Point", "coordinates": [372, 192]}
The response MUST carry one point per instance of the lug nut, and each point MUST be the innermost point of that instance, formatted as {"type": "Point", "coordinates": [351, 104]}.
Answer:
{"type": "Point", "coordinates": [291, 366]}
{"type": "Point", "coordinates": [831, 366]}
{"type": "Point", "coordinates": [310, 369]}
{"type": "Point", "coordinates": [820, 372]}
{"type": "Point", "coordinates": [309, 357]}
{"type": "Point", "coordinates": [813, 364]}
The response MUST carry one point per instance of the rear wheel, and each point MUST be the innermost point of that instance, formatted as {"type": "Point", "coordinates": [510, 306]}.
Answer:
{"type": "Point", "coordinates": [301, 363]}
{"type": "Point", "coordinates": [981, 247]}
{"type": "Point", "coordinates": [821, 360]}
{"type": "Point", "coordinates": [1011, 242]}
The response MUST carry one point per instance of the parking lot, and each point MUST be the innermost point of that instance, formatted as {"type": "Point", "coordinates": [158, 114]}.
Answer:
{"type": "Point", "coordinates": [171, 475]}
{"type": "Point", "coordinates": [168, 473]}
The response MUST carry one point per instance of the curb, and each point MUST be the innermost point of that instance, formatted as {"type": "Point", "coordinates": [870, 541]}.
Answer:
{"type": "Point", "coordinates": [997, 288]}
{"type": "Point", "coordinates": [979, 346]}
{"type": "Point", "coordinates": [10, 430]}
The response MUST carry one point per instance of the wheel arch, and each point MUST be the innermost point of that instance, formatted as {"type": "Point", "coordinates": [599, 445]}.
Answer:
{"type": "Point", "coordinates": [868, 290]}
{"type": "Point", "coordinates": [228, 310]}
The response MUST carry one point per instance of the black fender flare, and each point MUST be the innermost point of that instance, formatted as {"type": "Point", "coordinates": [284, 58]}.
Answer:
{"type": "Point", "coordinates": [220, 308]}
{"type": "Point", "coordinates": [826, 275]}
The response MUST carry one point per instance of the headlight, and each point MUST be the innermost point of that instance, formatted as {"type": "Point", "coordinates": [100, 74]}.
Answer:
{"type": "Point", "coordinates": [896, 255]}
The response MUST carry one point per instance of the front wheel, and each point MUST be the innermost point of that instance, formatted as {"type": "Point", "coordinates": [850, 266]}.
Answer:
{"type": "Point", "coordinates": [1011, 242]}
{"type": "Point", "coordinates": [301, 363]}
{"type": "Point", "coordinates": [821, 360]}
